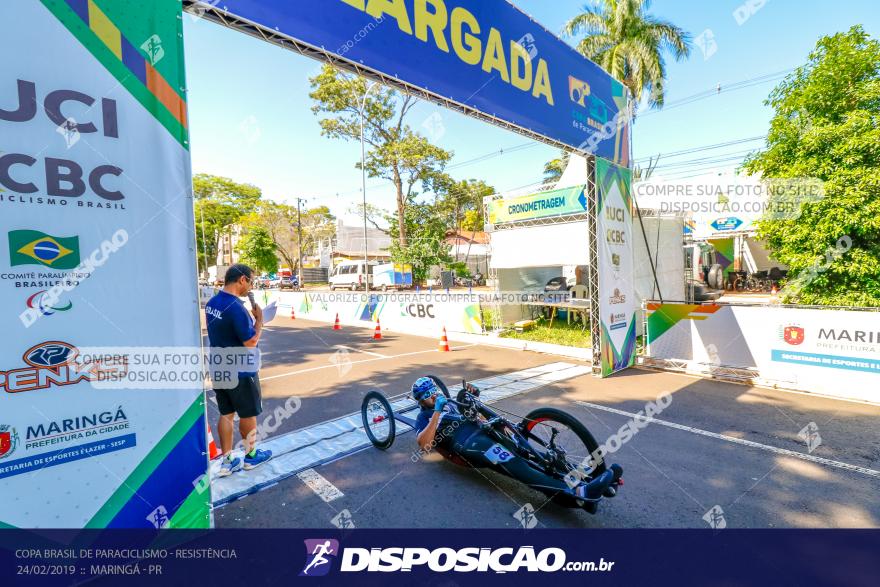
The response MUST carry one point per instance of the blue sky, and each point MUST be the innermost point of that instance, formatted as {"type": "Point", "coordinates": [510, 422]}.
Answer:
{"type": "Point", "coordinates": [251, 119]}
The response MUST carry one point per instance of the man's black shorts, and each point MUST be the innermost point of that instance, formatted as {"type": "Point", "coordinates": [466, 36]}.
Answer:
{"type": "Point", "coordinates": [245, 399]}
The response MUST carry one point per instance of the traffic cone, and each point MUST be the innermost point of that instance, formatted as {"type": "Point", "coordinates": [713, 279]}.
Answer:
{"type": "Point", "coordinates": [337, 325]}
{"type": "Point", "coordinates": [444, 342]}
{"type": "Point", "coordinates": [377, 334]}
{"type": "Point", "coordinates": [292, 313]}
{"type": "Point", "coordinates": [213, 451]}
{"type": "Point", "coordinates": [773, 290]}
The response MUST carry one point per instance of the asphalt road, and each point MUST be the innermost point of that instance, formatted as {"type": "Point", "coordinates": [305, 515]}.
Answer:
{"type": "Point", "coordinates": [726, 448]}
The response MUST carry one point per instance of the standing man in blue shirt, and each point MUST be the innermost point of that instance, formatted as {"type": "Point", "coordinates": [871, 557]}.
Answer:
{"type": "Point", "coordinates": [230, 326]}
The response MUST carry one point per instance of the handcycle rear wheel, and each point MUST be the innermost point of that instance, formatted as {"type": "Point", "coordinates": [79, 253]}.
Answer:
{"type": "Point", "coordinates": [378, 418]}
{"type": "Point", "coordinates": [573, 436]}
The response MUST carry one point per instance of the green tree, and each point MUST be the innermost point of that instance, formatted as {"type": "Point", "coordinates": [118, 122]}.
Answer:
{"type": "Point", "coordinates": [554, 168]}
{"type": "Point", "coordinates": [629, 43]}
{"type": "Point", "coordinates": [460, 202]}
{"type": "Point", "coordinates": [258, 250]}
{"type": "Point", "coordinates": [280, 221]}
{"type": "Point", "coordinates": [827, 126]}
{"type": "Point", "coordinates": [219, 203]}
{"type": "Point", "coordinates": [396, 152]}
{"type": "Point", "coordinates": [427, 248]}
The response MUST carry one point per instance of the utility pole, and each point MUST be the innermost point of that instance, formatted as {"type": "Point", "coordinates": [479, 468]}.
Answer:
{"type": "Point", "coordinates": [364, 182]}
{"type": "Point", "coordinates": [299, 230]}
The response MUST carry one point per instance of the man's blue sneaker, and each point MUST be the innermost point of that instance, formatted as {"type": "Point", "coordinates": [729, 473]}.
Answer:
{"type": "Point", "coordinates": [229, 467]}
{"type": "Point", "coordinates": [260, 457]}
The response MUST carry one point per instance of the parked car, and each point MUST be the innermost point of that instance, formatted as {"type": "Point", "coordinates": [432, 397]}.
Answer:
{"type": "Point", "coordinates": [289, 282]}
{"type": "Point", "coordinates": [350, 275]}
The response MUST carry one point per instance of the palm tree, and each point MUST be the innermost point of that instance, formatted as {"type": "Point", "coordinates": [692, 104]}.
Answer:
{"type": "Point", "coordinates": [629, 44]}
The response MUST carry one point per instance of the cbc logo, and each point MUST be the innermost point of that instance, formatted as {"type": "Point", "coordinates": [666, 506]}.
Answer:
{"type": "Point", "coordinates": [612, 235]}
{"type": "Point", "coordinates": [615, 237]}
{"type": "Point", "coordinates": [420, 310]}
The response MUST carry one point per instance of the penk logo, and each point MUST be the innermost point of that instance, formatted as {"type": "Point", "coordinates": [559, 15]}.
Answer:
{"type": "Point", "coordinates": [319, 553]}
{"type": "Point", "coordinates": [8, 440]}
{"type": "Point", "coordinates": [792, 334]}
{"type": "Point", "coordinates": [50, 354]}
{"type": "Point", "coordinates": [37, 302]}
{"type": "Point", "coordinates": [53, 363]}
{"type": "Point", "coordinates": [32, 247]}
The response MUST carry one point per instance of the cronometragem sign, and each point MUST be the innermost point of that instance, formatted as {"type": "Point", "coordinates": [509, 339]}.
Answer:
{"type": "Point", "coordinates": [96, 193]}
{"type": "Point", "coordinates": [559, 202]}
{"type": "Point", "coordinates": [486, 55]}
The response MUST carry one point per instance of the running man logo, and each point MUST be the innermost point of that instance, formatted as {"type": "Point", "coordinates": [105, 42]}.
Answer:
{"type": "Point", "coordinates": [319, 553]}
{"type": "Point", "coordinates": [32, 247]}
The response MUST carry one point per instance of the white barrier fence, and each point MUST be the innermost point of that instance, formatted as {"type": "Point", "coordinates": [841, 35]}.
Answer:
{"type": "Point", "coordinates": [404, 312]}
{"type": "Point", "coordinates": [827, 351]}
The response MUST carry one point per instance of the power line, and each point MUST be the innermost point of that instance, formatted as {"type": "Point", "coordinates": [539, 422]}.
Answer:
{"type": "Point", "coordinates": [708, 166]}
{"type": "Point", "coordinates": [710, 159]}
{"type": "Point", "coordinates": [702, 95]}
{"type": "Point", "coordinates": [702, 148]}
{"type": "Point", "coordinates": [719, 89]}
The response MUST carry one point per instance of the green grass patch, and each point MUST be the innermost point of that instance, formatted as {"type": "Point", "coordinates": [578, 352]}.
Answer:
{"type": "Point", "coordinates": [564, 334]}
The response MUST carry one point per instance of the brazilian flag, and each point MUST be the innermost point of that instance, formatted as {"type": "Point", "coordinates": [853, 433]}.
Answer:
{"type": "Point", "coordinates": [32, 247]}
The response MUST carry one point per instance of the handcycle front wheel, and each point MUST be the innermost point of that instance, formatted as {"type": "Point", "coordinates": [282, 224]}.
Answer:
{"type": "Point", "coordinates": [378, 418]}
{"type": "Point", "coordinates": [572, 436]}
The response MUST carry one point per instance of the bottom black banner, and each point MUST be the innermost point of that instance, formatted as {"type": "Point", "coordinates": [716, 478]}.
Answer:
{"type": "Point", "coordinates": [439, 557]}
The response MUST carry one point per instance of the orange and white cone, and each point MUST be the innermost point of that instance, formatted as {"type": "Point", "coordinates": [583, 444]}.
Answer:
{"type": "Point", "coordinates": [377, 335]}
{"type": "Point", "coordinates": [337, 325]}
{"type": "Point", "coordinates": [292, 313]}
{"type": "Point", "coordinates": [444, 342]}
{"type": "Point", "coordinates": [773, 290]}
{"type": "Point", "coordinates": [213, 451]}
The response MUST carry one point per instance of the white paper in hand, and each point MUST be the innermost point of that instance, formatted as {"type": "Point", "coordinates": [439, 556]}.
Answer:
{"type": "Point", "coordinates": [269, 312]}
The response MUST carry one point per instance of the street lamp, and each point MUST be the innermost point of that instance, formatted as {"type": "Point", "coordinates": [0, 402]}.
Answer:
{"type": "Point", "coordinates": [364, 181]}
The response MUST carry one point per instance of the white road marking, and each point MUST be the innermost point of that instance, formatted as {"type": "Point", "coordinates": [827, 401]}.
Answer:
{"type": "Point", "coordinates": [757, 387]}
{"type": "Point", "coordinates": [749, 443]}
{"type": "Point", "coordinates": [332, 366]}
{"type": "Point", "coordinates": [356, 350]}
{"type": "Point", "coordinates": [323, 488]}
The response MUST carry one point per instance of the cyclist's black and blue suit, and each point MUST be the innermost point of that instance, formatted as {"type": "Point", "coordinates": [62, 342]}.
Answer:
{"type": "Point", "coordinates": [459, 436]}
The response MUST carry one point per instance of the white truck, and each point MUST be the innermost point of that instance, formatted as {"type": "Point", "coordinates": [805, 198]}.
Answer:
{"type": "Point", "coordinates": [392, 276]}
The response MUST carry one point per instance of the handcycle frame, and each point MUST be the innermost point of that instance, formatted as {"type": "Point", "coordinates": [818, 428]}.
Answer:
{"type": "Point", "coordinates": [516, 438]}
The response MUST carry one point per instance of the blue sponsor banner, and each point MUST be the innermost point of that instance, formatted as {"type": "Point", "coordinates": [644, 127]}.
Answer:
{"type": "Point", "coordinates": [66, 455]}
{"type": "Point", "coordinates": [827, 361]}
{"type": "Point", "coordinates": [486, 55]}
{"type": "Point", "coordinates": [330, 556]}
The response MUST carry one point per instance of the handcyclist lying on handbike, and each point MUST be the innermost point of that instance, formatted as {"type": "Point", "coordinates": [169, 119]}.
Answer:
{"type": "Point", "coordinates": [440, 424]}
